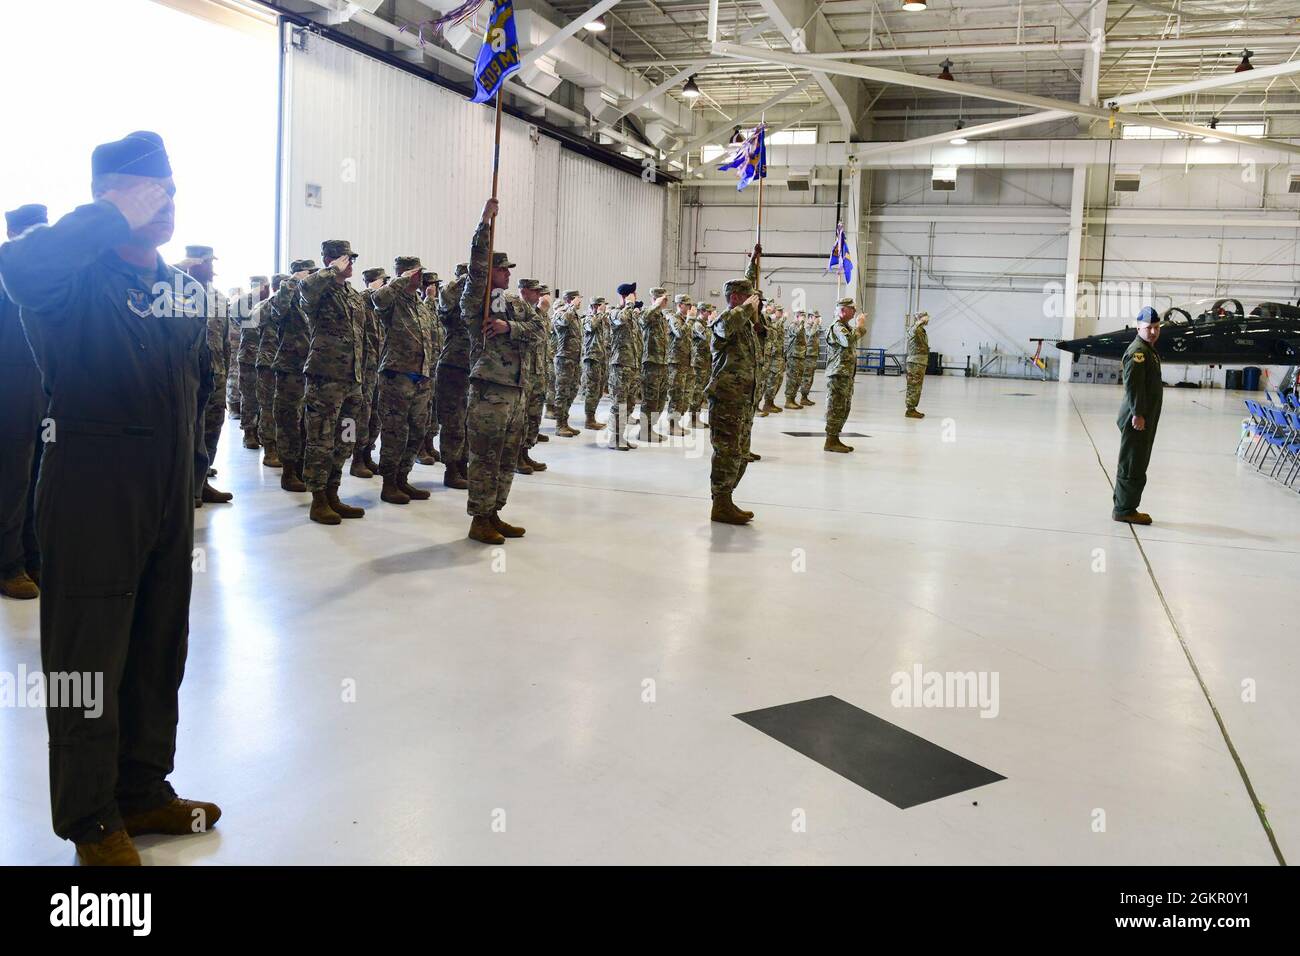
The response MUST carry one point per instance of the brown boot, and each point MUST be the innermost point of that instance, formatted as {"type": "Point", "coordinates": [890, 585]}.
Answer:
{"type": "Point", "coordinates": [521, 466]}
{"type": "Point", "coordinates": [527, 459]}
{"type": "Point", "coordinates": [20, 587]}
{"type": "Point", "coordinates": [321, 512]}
{"type": "Point", "coordinates": [507, 530]}
{"type": "Point", "coordinates": [291, 478]}
{"type": "Point", "coordinates": [564, 431]}
{"type": "Point", "coordinates": [116, 849]}
{"type": "Point", "coordinates": [453, 478]}
{"type": "Point", "coordinates": [212, 496]}
{"type": "Point", "coordinates": [833, 443]}
{"type": "Point", "coordinates": [791, 403]}
{"type": "Point", "coordinates": [480, 529]}
{"type": "Point", "coordinates": [805, 400]}
{"type": "Point", "coordinates": [393, 493]}
{"type": "Point", "coordinates": [753, 456]}
{"type": "Point", "coordinates": [250, 440]}
{"type": "Point", "coordinates": [747, 515]}
{"type": "Point", "coordinates": [1133, 517]}
{"type": "Point", "coordinates": [913, 413]}
{"type": "Point", "coordinates": [370, 461]}
{"type": "Point", "coordinates": [592, 425]}
{"type": "Point", "coordinates": [359, 469]}
{"type": "Point", "coordinates": [340, 509]}
{"type": "Point", "coordinates": [542, 438]}
{"type": "Point", "coordinates": [271, 458]}
{"type": "Point", "coordinates": [176, 818]}
{"type": "Point", "coordinates": [725, 512]}
{"type": "Point", "coordinates": [415, 494]}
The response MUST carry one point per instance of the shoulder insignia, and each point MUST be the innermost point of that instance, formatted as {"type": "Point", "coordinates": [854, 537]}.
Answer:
{"type": "Point", "coordinates": [1139, 356]}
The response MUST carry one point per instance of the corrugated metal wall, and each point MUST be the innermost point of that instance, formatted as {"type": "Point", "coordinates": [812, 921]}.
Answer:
{"type": "Point", "coordinates": [404, 167]}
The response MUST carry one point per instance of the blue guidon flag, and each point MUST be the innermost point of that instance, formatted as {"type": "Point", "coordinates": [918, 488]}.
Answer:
{"type": "Point", "coordinates": [749, 158]}
{"type": "Point", "coordinates": [840, 260]}
{"type": "Point", "coordinates": [498, 57]}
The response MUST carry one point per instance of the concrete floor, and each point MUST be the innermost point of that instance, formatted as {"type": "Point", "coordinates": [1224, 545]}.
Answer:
{"type": "Point", "coordinates": [509, 687]}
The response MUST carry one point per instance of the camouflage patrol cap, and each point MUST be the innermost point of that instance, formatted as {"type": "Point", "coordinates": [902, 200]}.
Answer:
{"type": "Point", "coordinates": [599, 300]}
{"type": "Point", "coordinates": [405, 264]}
{"type": "Point", "coordinates": [257, 280]}
{"type": "Point", "coordinates": [708, 307]}
{"type": "Point", "coordinates": [278, 279]}
{"type": "Point", "coordinates": [737, 286]}
{"type": "Point", "coordinates": [682, 298]}
{"type": "Point", "coordinates": [462, 268]}
{"type": "Point", "coordinates": [568, 294]}
{"type": "Point", "coordinates": [501, 261]}
{"type": "Point", "coordinates": [431, 278]}
{"type": "Point", "coordinates": [302, 265]}
{"type": "Point", "coordinates": [657, 291]}
{"type": "Point", "coordinates": [331, 249]}
{"type": "Point", "coordinates": [529, 284]}
{"type": "Point", "coordinates": [544, 289]}
{"type": "Point", "coordinates": [370, 275]}
{"type": "Point", "coordinates": [199, 252]}
{"type": "Point", "coordinates": [846, 301]}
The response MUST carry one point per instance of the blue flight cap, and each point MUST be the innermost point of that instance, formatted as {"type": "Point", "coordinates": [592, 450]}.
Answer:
{"type": "Point", "coordinates": [137, 154]}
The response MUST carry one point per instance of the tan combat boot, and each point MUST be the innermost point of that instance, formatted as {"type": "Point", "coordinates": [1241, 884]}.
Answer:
{"type": "Point", "coordinates": [502, 528]}
{"type": "Point", "coordinates": [805, 400]}
{"type": "Point", "coordinates": [527, 459]}
{"type": "Point", "coordinates": [250, 440]}
{"type": "Point", "coordinates": [521, 466]}
{"type": "Point", "coordinates": [454, 476]}
{"type": "Point", "coordinates": [392, 493]}
{"type": "Point", "coordinates": [725, 512]}
{"type": "Point", "coordinates": [791, 403]}
{"type": "Point", "coordinates": [321, 512]}
{"type": "Point", "coordinates": [1133, 517]}
{"type": "Point", "coordinates": [913, 413]}
{"type": "Point", "coordinates": [340, 509]}
{"type": "Point", "coordinates": [415, 494]}
{"type": "Point", "coordinates": [290, 478]}
{"type": "Point", "coordinates": [747, 515]}
{"type": "Point", "coordinates": [176, 818]}
{"type": "Point", "coordinates": [833, 443]}
{"type": "Point", "coordinates": [116, 849]}
{"type": "Point", "coordinates": [359, 469]}
{"type": "Point", "coordinates": [212, 496]}
{"type": "Point", "coordinates": [271, 457]}
{"type": "Point", "coordinates": [480, 529]}
{"type": "Point", "coordinates": [20, 586]}
{"type": "Point", "coordinates": [592, 425]}
{"type": "Point", "coordinates": [563, 429]}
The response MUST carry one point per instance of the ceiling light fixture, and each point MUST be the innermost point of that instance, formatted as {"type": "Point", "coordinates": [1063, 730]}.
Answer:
{"type": "Point", "coordinates": [597, 25]}
{"type": "Point", "coordinates": [946, 73]}
{"type": "Point", "coordinates": [1244, 65]}
{"type": "Point", "coordinates": [959, 139]}
{"type": "Point", "coordinates": [691, 91]}
{"type": "Point", "coordinates": [1214, 124]}
{"type": "Point", "coordinates": [912, 6]}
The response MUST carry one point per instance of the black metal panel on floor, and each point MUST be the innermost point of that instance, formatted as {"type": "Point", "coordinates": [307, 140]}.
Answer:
{"type": "Point", "coordinates": [892, 763]}
{"type": "Point", "coordinates": [823, 434]}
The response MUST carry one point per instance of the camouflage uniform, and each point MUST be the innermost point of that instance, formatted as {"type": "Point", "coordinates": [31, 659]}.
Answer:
{"type": "Point", "coordinates": [405, 370]}
{"type": "Point", "coordinates": [812, 338]}
{"type": "Point", "coordinates": [679, 362]}
{"type": "Point", "coordinates": [268, 340]}
{"type": "Point", "coordinates": [214, 414]}
{"type": "Point", "coordinates": [495, 415]}
{"type": "Point", "coordinates": [795, 346]}
{"type": "Point", "coordinates": [429, 302]}
{"type": "Point", "coordinates": [775, 359]}
{"type": "Point", "coordinates": [593, 361]}
{"type": "Point", "coordinates": [547, 359]}
{"type": "Point", "coordinates": [733, 390]}
{"type": "Point", "coordinates": [701, 361]}
{"type": "Point", "coordinates": [335, 316]}
{"type": "Point", "coordinates": [537, 380]}
{"type": "Point", "coordinates": [368, 421]}
{"type": "Point", "coordinates": [841, 366]}
{"type": "Point", "coordinates": [918, 357]}
{"type": "Point", "coordinates": [290, 384]}
{"type": "Point", "coordinates": [566, 329]}
{"type": "Point", "coordinates": [451, 385]}
{"type": "Point", "coordinates": [625, 369]}
{"type": "Point", "coordinates": [654, 364]}
{"type": "Point", "coordinates": [605, 335]}
{"type": "Point", "coordinates": [252, 312]}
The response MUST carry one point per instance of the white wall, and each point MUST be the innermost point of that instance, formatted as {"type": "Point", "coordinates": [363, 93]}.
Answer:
{"type": "Point", "coordinates": [405, 167]}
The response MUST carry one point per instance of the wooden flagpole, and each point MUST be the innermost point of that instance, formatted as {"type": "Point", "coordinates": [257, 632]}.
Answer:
{"type": "Point", "coordinates": [492, 229]}
{"type": "Point", "coordinates": [762, 175]}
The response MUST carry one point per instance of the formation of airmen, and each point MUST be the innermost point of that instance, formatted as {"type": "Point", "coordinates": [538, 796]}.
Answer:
{"type": "Point", "coordinates": [121, 367]}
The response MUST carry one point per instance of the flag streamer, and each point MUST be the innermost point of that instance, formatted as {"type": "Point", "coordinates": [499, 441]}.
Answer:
{"type": "Point", "coordinates": [749, 158]}
{"type": "Point", "coordinates": [451, 18]}
{"type": "Point", "coordinates": [841, 261]}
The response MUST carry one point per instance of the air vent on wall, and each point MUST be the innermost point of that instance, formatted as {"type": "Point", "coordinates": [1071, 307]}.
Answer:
{"type": "Point", "coordinates": [1127, 179]}
{"type": "Point", "coordinates": [1293, 180]}
{"type": "Point", "coordinates": [943, 179]}
{"type": "Point", "coordinates": [798, 180]}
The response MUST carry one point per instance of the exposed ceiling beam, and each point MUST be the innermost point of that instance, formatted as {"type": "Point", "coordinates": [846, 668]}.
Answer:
{"type": "Point", "coordinates": [711, 135]}
{"type": "Point", "coordinates": [562, 34]}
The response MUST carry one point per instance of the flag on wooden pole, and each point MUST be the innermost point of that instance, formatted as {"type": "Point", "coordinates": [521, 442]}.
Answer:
{"type": "Point", "coordinates": [498, 57]}
{"type": "Point", "coordinates": [840, 260]}
{"type": "Point", "coordinates": [749, 158]}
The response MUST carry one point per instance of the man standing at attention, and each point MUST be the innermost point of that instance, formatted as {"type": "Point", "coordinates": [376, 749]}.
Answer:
{"type": "Point", "coordinates": [118, 337]}
{"type": "Point", "coordinates": [841, 366]}
{"type": "Point", "coordinates": [1138, 417]}
{"type": "Point", "coordinates": [918, 357]}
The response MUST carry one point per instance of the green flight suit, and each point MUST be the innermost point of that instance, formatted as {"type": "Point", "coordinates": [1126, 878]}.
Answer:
{"type": "Point", "coordinates": [1143, 393]}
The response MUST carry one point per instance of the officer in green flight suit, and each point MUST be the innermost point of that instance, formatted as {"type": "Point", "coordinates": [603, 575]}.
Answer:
{"type": "Point", "coordinates": [1138, 417]}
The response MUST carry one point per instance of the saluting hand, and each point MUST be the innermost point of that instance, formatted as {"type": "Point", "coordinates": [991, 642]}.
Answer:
{"type": "Point", "coordinates": [300, 275]}
{"type": "Point", "coordinates": [661, 302]}
{"type": "Point", "coordinates": [340, 264]}
{"type": "Point", "coordinates": [139, 202]}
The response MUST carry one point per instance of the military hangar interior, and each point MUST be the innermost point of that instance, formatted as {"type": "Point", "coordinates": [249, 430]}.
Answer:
{"type": "Point", "coordinates": [633, 682]}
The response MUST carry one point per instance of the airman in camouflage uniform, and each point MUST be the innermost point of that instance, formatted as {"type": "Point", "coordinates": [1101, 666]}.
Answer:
{"type": "Point", "coordinates": [495, 417]}
{"type": "Point", "coordinates": [737, 338]}
{"type": "Point", "coordinates": [795, 346]}
{"type": "Point", "coordinates": [535, 365]}
{"type": "Point", "coordinates": [372, 349]}
{"type": "Point", "coordinates": [654, 365]}
{"type": "Point", "coordinates": [918, 357]}
{"type": "Point", "coordinates": [268, 340]}
{"type": "Point", "coordinates": [253, 307]}
{"type": "Point", "coordinates": [335, 316]}
{"type": "Point", "coordinates": [428, 455]}
{"type": "Point", "coordinates": [198, 263]}
{"type": "Point", "coordinates": [812, 351]}
{"type": "Point", "coordinates": [451, 384]}
{"type": "Point", "coordinates": [405, 378]}
{"type": "Point", "coordinates": [594, 361]}
{"type": "Point", "coordinates": [841, 366]}
{"type": "Point", "coordinates": [605, 335]}
{"type": "Point", "coordinates": [701, 360]}
{"type": "Point", "coordinates": [775, 359]}
{"type": "Point", "coordinates": [548, 374]}
{"type": "Point", "coordinates": [679, 363]}
{"type": "Point", "coordinates": [290, 383]}
{"type": "Point", "coordinates": [566, 331]}
{"type": "Point", "coordinates": [625, 347]}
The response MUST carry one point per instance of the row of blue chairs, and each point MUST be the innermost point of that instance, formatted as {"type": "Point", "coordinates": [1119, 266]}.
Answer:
{"type": "Point", "coordinates": [1272, 431]}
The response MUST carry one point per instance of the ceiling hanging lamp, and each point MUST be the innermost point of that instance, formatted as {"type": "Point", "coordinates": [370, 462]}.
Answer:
{"type": "Point", "coordinates": [1214, 124]}
{"type": "Point", "coordinates": [958, 139]}
{"type": "Point", "coordinates": [912, 6]}
{"type": "Point", "coordinates": [1244, 65]}
{"type": "Point", "coordinates": [946, 71]}
{"type": "Point", "coordinates": [597, 25]}
{"type": "Point", "coordinates": [691, 90]}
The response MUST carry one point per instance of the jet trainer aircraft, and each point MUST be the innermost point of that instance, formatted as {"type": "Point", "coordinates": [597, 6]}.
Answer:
{"type": "Point", "coordinates": [1211, 332]}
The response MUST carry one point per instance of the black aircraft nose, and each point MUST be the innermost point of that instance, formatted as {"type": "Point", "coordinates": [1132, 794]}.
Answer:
{"type": "Point", "coordinates": [1073, 346]}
